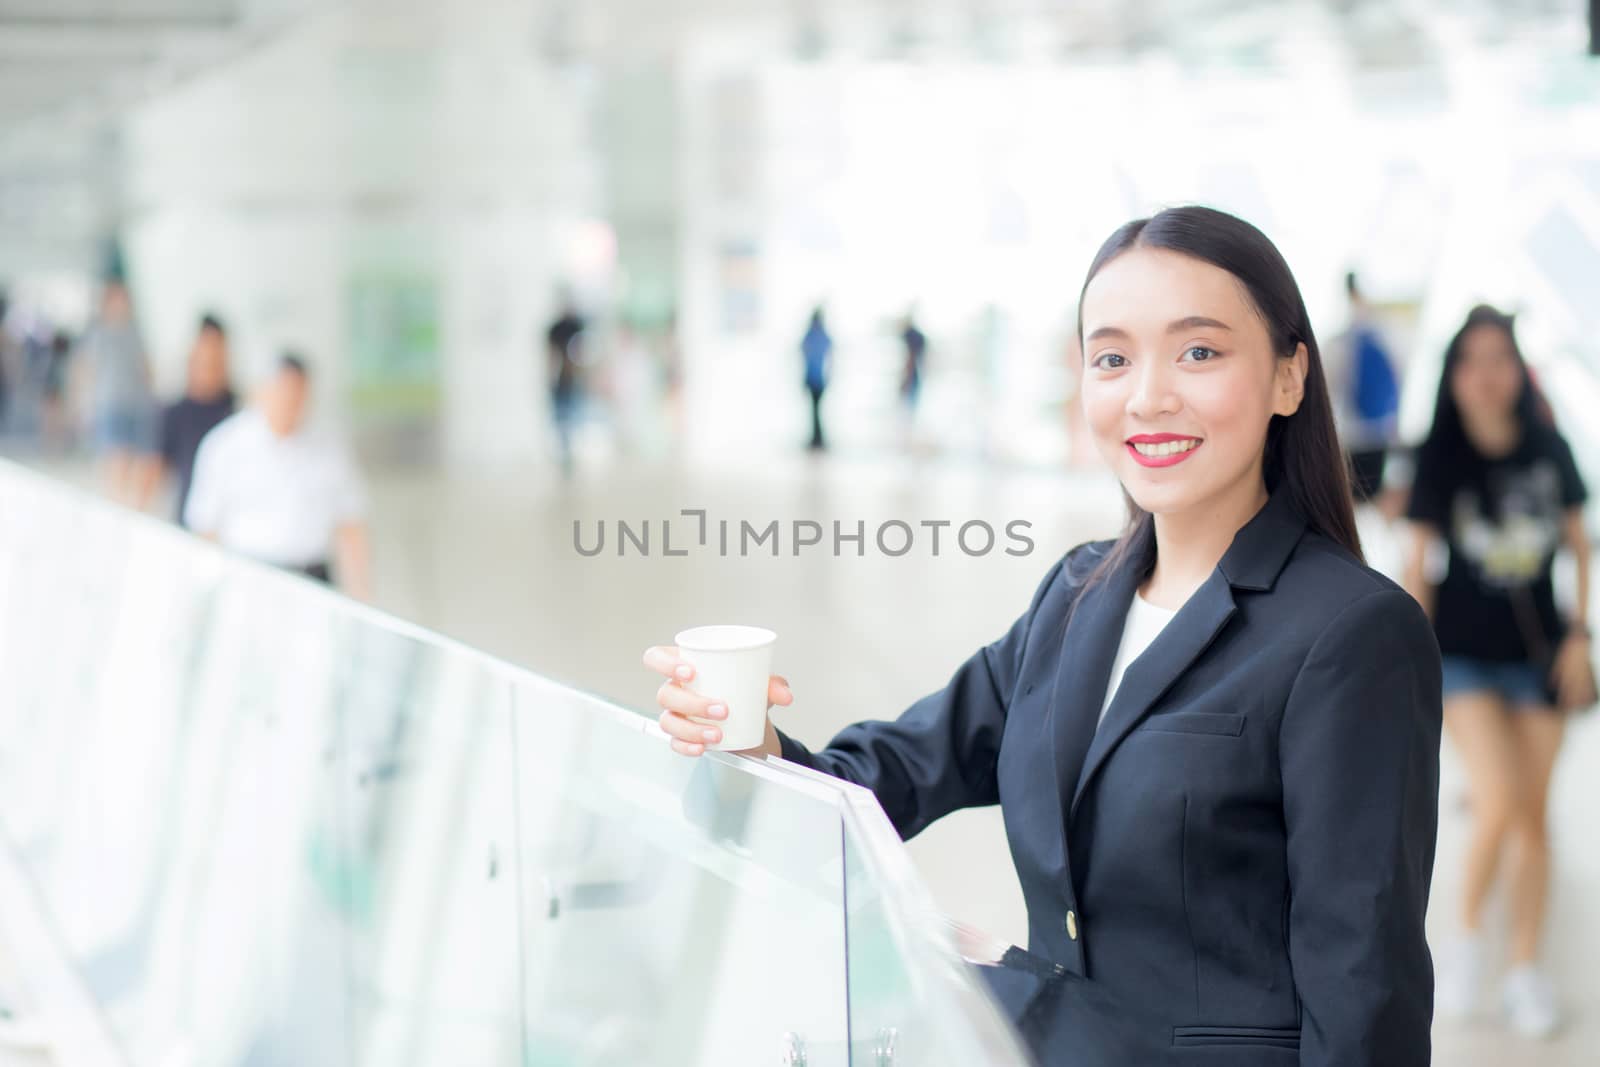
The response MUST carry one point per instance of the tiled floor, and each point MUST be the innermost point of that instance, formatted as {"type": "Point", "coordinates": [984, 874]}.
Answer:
{"type": "Point", "coordinates": [492, 562]}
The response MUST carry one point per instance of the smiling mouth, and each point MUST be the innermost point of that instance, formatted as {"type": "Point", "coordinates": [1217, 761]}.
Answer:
{"type": "Point", "coordinates": [1163, 453]}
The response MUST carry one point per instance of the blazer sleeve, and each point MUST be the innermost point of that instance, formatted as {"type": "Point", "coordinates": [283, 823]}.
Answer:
{"type": "Point", "coordinates": [1359, 749]}
{"type": "Point", "coordinates": [940, 755]}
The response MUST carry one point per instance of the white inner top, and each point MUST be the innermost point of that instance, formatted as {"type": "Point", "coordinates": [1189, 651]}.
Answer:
{"type": "Point", "coordinates": [1144, 625]}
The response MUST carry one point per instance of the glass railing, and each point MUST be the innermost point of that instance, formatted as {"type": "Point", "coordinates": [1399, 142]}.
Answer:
{"type": "Point", "coordinates": [266, 826]}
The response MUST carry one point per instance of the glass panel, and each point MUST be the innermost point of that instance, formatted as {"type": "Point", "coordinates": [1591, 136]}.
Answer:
{"type": "Point", "coordinates": [58, 619]}
{"type": "Point", "coordinates": [426, 854]}
{"type": "Point", "coordinates": [912, 999]}
{"type": "Point", "coordinates": [275, 828]}
{"type": "Point", "coordinates": [161, 767]}
{"type": "Point", "coordinates": [247, 965]}
{"type": "Point", "coordinates": [676, 912]}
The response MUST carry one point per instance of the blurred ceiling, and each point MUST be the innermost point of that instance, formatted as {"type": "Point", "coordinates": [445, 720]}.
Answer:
{"type": "Point", "coordinates": [74, 60]}
{"type": "Point", "coordinates": [70, 68]}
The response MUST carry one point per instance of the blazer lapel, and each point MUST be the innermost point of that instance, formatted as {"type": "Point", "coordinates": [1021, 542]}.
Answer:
{"type": "Point", "coordinates": [1093, 632]}
{"type": "Point", "coordinates": [1149, 676]}
{"type": "Point", "coordinates": [1088, 649]}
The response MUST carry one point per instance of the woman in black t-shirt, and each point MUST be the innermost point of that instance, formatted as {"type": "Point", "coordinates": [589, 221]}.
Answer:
{"type": "Point", "coordinates": [1496, 483]}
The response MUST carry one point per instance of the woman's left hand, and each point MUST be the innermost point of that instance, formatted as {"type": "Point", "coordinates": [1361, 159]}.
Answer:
{"type": "Point", "coordinates": [1571, 674]}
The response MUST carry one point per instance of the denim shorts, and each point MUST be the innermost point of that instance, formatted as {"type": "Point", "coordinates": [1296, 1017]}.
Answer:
{"type": "Point", "coordinates": [1518, 682]}
{"type": "Point", "coordinates": [128, 430]}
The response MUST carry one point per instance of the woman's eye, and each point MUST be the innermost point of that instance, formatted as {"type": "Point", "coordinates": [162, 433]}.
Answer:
{"type": "Point", "coordinates": [1110, 361]}
{"type": "Point", "coordinates": [1199, 353]}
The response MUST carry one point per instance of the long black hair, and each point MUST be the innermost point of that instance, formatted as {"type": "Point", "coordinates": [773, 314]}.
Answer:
{"type": "Point", "coordinates": [1302, 454]}
{"type": "Point", "coordinates": [1447, 434]}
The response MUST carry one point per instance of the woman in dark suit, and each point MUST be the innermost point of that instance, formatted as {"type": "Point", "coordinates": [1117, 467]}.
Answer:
{"type": "Point", "coordinates": [1215, 741]}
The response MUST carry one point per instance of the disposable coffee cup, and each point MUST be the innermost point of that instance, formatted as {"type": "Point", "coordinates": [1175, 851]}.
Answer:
{"type": "Point", "coordinates": [732, 665]}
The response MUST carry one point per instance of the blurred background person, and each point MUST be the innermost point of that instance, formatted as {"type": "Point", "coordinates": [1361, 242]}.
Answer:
{"type": "Point", "coordinates": [1366, 394]}
{"type": "Point", "coordinates": [207, 400]}
{"type": "Point", "coordinates": [269, 487]}
{"type": "Point", "coordinates": [9, 363]}
{"type": "Point", "coordinates": [54, 360]}
{"type": "Point", "coordinates": [1496, 484]}
{"type": "Point", "coordinates": [816, 350]}
{"type": "Point", "coordinates": [124, 417]}
{"type": "Point", "coordinates": [916, 350]}
{"type": "Point", "coordinates": [26, 361]}
{"type": "Point", "coordinates": [563, 350]}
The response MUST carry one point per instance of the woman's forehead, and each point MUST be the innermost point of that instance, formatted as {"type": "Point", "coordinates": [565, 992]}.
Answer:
{"type": "Point", "coordinates": [1153, 286]}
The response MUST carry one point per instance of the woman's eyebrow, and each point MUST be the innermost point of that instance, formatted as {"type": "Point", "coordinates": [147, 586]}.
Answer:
{"type": "Point", "coordinates": [1195, 322]}
{"type": "Point", "coordinates": [1192, 322]}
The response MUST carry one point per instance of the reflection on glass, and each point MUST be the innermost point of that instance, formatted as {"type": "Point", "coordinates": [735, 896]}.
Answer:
{"type": "Point", "coordinates": [675, 911]}
{"type": "Point", "coordinates": [424, 854]}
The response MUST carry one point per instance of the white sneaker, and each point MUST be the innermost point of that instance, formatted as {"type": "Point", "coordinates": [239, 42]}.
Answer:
{"type": "Point", "coordinates": [1458, 983]}
{"type": "Point", "coordinates": [1531, 1004]}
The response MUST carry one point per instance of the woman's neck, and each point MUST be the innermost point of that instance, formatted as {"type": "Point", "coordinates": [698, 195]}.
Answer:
{"type": "Point", "coordinates": [1494, 435]}
{"type": "Point", "coordinates": [1190, 544]}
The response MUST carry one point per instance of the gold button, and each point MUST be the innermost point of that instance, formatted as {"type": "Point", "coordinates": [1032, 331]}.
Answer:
{"type": "Point", "coordinates": [1072, 925]}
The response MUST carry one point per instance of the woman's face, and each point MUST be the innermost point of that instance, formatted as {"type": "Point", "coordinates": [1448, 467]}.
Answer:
{"type": "Point", "coordinates": [1180, 379]}
{"type": "Point", "coordinates": [1486, 379]}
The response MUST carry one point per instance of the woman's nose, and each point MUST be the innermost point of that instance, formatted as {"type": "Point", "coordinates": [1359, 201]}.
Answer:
{"type": "Point", "coordinates": [1153, 393]}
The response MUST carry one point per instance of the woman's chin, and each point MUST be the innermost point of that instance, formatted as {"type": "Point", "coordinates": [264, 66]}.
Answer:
{"type": "Point", "coordinates": [1158, 499]}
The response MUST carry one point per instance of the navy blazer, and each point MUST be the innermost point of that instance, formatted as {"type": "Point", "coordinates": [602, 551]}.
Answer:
{"type": "Point", "coordinates": [1234, 867]}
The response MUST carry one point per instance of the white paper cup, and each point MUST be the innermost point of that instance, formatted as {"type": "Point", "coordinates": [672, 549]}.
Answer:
{"type": "Point", "coordinates": [732, 665]}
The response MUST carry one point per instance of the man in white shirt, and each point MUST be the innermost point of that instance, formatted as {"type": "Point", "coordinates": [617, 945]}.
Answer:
{"type": "Point", "coordinates": [267, 487]}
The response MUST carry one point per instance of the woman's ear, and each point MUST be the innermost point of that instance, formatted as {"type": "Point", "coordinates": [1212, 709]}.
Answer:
{"type": "Point", "coordinates": [1291, 381]}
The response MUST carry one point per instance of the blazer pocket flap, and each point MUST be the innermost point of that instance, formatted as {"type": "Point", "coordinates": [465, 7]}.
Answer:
{"type": "Point", "coordinates": [1196, 722]}
{"type": "Point", "coordinates": [1273, 1036]}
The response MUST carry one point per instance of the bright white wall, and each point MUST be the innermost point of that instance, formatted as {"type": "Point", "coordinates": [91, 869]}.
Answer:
{"type": "Point", "coordinates": [871, 184]}
{"type": "Point", "coordinates": [422, 144]}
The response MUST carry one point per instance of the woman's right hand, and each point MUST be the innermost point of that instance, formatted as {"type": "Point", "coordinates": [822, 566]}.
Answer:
{"type": "Point", "coordinates": [690, 738]}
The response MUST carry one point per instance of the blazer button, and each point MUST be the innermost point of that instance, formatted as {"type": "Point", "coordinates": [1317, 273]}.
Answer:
{"type": "Point", "coordinates": [1072, 925]}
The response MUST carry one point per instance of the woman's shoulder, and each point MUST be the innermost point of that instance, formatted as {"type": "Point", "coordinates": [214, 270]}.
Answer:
{"type": "Point", "coordinates": [1069, 574]}
{"type": "Point", "coordinates": [1544, 441]}
{"type": "Point", "coordinates": [1325, 582]}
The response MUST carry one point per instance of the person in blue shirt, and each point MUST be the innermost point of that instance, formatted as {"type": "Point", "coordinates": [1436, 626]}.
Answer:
{"type": "Point", "coordinates": [1366, 394]}
{"type": "Point", "coordinates": [817, 349]}
{"type": "Point", "coordinates": [916, 346]}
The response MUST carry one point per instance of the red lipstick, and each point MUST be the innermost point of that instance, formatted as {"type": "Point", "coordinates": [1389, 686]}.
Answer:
{"type": "Point", "coordinates": [1160, 439]}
